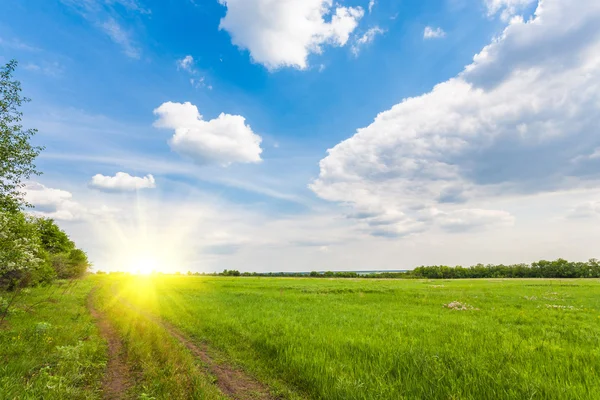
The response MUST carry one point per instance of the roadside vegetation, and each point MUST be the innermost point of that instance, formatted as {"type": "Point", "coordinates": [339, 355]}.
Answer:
{"type": "Point", "coordinates": [50, 347]}
{"type": "Point", "coordinates": [33, 250]}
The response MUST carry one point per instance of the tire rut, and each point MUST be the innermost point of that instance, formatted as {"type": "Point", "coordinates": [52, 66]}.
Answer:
{"type": "Point", "coordinates": [117, 379]}
{"type": "Point", "coordinates": [232, 381]}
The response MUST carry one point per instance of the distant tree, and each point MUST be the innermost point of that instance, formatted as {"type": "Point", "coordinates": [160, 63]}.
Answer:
{"type": "Point", "coordinates": [17, 155]}
{"type": "Point", "coordinates": [78, 263]}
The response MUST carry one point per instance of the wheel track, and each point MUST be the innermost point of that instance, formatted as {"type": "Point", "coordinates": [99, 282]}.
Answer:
{"type": "Point", "coordinates": [117, 379]}
{"type": "Point", "coordinates": [232, 381]}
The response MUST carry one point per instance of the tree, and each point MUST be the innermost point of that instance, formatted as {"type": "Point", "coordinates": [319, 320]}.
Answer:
{"type": "Point", "coordinates": [17, 155]}
{"type": "Point", "coordinates": [20, 248]}
{"type": "Point", "coordinates": [52, 237]}
{"type": "Point", "coordinates": [78, 263]}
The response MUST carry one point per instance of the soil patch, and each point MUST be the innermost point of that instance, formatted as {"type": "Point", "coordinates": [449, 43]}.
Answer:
{"type": "Point", "coordinates": [117, 379]}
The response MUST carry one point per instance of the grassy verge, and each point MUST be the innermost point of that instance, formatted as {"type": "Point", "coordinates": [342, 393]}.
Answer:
{"type": "Point", "coordinates": [161, 366]}
{"type": "Point", "coordinates": [50, 349]}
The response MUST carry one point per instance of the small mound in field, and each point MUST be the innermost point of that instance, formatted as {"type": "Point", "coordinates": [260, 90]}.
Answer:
{"type": "Point", "coordinates": [458, 306]}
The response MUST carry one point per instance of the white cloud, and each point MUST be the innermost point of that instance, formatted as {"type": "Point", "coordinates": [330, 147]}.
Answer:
{"type": "Point", "coordinates": [371, 5]}
{"type": "Point", "coordinates": [508, 8]}
{"type": "Point", "coordinates": [52, 203]}
{"type": "Point", "coordinates": [17, 44]}
{"type": "Point", "coordinates": [121, 37]}
{"type": "Point", "coordinates": [469, 219]}
{"type": "Point", "coordinates": [43, 197]}
{"type": "Point", "coordinates": [510, 124]}
{"type": "Point", "coordinates": [53, 69]}
{"type": "Point", "coordinates": [284, 33]}
{"type": "Point", "coordinates": [223, 140]}
{"type": "Point", "coordinates": [122, 182]}
{"type": "Point", "coordinates": [433, 33]}
{"type": "Point", "coordinates": [587, 210]}
{"type": "Point", "coordinates": [187, 64]}
{"type": "Point", "coordinates": [366, 39]}
{"type": "Point", "coordinates": [104, 15]}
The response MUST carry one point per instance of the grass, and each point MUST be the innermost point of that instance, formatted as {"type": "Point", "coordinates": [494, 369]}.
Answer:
{"type": "Point", "coordinates": [392, 339]}
{"type": "Point", "coordinates": [313, 338]}
{"type": "Point", "coordinates": [51, 349]}
{"type": "Point", "coordinates": [161, 366]}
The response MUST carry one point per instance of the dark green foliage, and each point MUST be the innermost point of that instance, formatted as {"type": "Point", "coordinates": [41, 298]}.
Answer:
{"type": "Point", "coordinates": [232, 272]}
{"type": "Point", "coordinates": [52, 237]}
{"type": "Point", "coordinates": [542, 269]}
{"type": "Point", "coordinates": [16, 152]}
{"type": "Point", "coordinates": [32, 250]}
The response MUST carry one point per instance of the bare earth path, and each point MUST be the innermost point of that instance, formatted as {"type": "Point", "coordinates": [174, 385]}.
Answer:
{"type": "Point", "coordinates": [117, 379]}
{"type": "Point", "coordinates": [233, 382]}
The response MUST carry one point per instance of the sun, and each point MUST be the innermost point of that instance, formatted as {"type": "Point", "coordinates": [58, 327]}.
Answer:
{"type": "Point", "coordinates": [144, 265]}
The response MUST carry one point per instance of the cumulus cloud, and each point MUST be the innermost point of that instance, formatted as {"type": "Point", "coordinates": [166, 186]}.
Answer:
{"type": "Point", "coordinates": [506, 8]}
{"type": "Point", "coordinates": [52, 203]}
{"type": "Point", "coordinates": [366, 39]}
{"type": "Point", "coordinates": [283, 33]}
{"type": "Point", "coordinates": [511, 123]}
{"type": "Point", "coordinates": [433, 33]}
{"type": "Point", "coordinates": [371, 5]}
{"type": "Point", "coordinates": [224, 140]}
{"type": "Point", "coordinates": [122, 182]}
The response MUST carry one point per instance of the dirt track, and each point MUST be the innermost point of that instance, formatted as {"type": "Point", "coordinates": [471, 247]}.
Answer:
{"type": "Point", "coordinates": [117, 379]}
{"type": "Point", "coordinates": [233, 382]}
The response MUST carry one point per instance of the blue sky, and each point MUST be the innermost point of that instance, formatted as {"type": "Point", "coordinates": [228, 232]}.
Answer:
{"type": "Point", "coordinates": [477, 160]}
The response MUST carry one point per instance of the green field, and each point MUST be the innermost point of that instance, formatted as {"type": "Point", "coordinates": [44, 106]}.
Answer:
{"type": "Point", "coordinates": [339, 339]}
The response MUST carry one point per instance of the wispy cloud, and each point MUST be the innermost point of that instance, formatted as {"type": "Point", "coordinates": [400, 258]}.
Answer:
{"type": "Point", "coordinates": [433, 33]}
{"type": "Point", "coordinates": [53, 69]}
{"type": "Point", "coordinates": [367, 38]}
{"type": "Point", "coordinates": [16, 44]}
{"type": "Point", "coordinates": [188, 64]}
{"type": "Point", "coordinates": [104, 15]}
{"type": "Point", "coordinates": [121, 37]}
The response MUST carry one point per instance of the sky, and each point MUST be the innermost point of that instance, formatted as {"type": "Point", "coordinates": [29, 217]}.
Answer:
{"type": "Point", "coordinates": [300, 135]}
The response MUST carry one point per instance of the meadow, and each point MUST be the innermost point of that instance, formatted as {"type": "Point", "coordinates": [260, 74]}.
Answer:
{"type": "Point", "coordinates": [295, 338]}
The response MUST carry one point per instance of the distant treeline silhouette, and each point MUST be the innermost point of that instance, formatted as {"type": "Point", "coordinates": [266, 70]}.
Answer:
{"type": "Point", "coordinates": [541, 269]}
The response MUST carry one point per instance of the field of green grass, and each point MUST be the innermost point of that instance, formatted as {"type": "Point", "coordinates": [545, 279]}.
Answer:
{"type": "Point", "coordinates": [314, 338]}
{"type": "Point", "coordinates": [391, 339]}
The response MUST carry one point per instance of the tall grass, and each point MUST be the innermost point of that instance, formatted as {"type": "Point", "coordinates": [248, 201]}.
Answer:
{"type": "Point", "coordinates": [161, 367]}
{"type": "Point", "coordinates": [334, 339]}
{"type": "Point", "coordinates": [50, 349]}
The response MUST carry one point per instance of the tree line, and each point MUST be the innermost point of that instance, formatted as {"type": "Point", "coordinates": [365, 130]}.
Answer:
{"type": "Point", "coordinates": [559, 268]}
{"type": "Point", "coordinates": [33, 250]}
